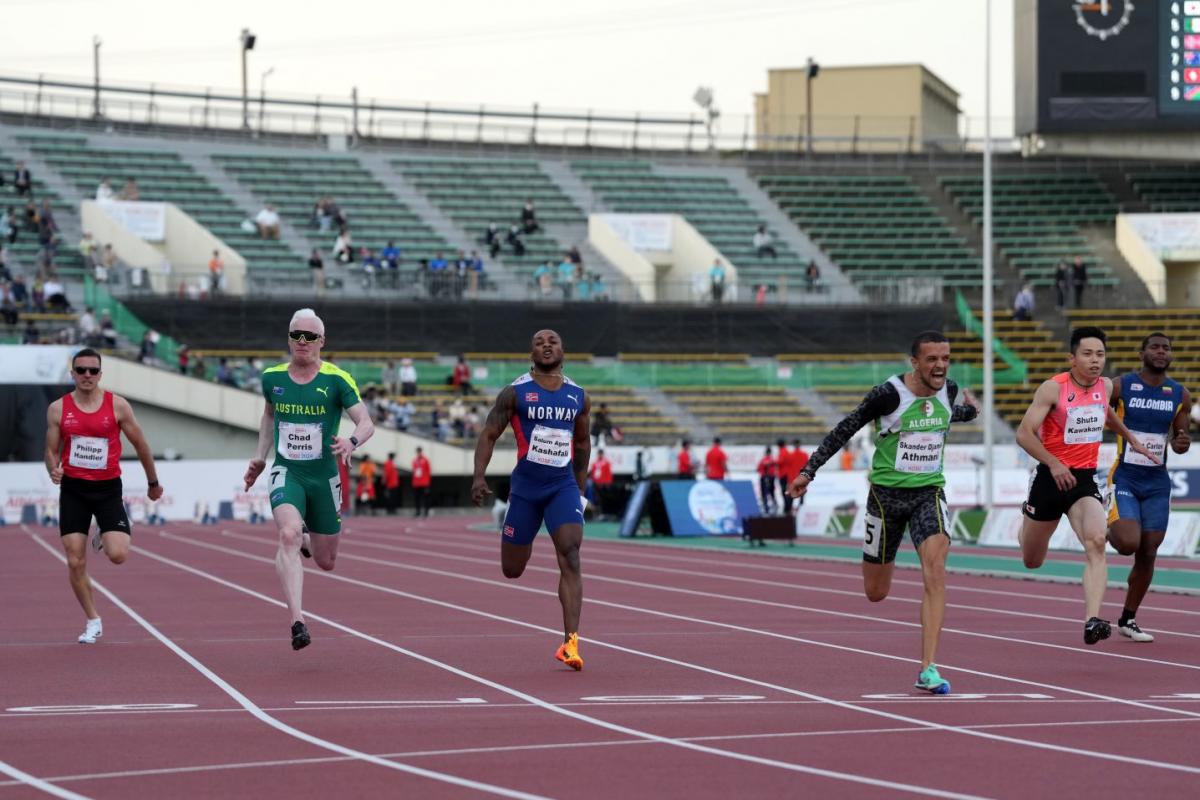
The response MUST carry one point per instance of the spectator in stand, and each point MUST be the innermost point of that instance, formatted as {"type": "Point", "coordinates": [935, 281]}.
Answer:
{"type": "Point", "coordinates": [458, 415]}
{"type": "Point", "coordinates": [146, 349]}
{"type": "Point", "coordinates": [716, 463]}
{"type": "Point", "coordinates": [13, 224]}
{"type": "Point", "coordinates": [55, 296]}
{"type": "Point", "coordinates": [316, 266]}
{"type": "Point", "coordinates": [760, 294]}
{"type": "Point", "coordinates": [321, 216]}
{"type": "Point", "coordinates": [438, 269]}
{"type": "Point", "coordinates": [199, 368]}
{"type": "Point", "coordinates": [365, 491]}
{"type": "Point", "coordinates": [472, 422]}
{"type": "Point", "coordinates": [601, 425]}
{"type": "Point", "coordinates": [225, 374]}
{"type": "Point", "coordinates": [343, 247]}
{"type": "Point", "coordinates": [475, 277]}
{"type": "Point", "coordinates": [104, 191]}
{"type": "Point", "coordinates": [408, 378]}
{"type": "Point", "coordinates": [391, 484]}
{"type": "Point", "coordinates": [22, 180]}
{"type": "Point", "coordinates": [31, 335]}
{"type": "Point", "coordinates": [598, 291]}
{"type": "Point", "coordinates": [492, 239]}
{"type": "Point", "coordinates": [389, 376]}
{"type": "Point", "coordinates": [515, 241]}
{"type": "Point", "coordinates": [575, 257]}
{"type": "Point", "coordinates": [716, 279]}
{"type": "Point", "coordinates": [37, 296]}
{"type": "Point", "coordinates": [108, 332]}
{"type": "Point", "coordinates": [183, 355]}
{"type": "Point", "coordinates": [89, 327]}
{"type": "Point", "coordinates": [7, 232]}
{"type": "Point", "coordinates": [370, 267]}
{"type": "Point", "coordinates": [439, 425]}
{"type": "Point", "coordinates": [268, 222]}
{"type": "Point", "coordinates": [763, 243]}
{"type": "Point", "coordinates": [1079, 279]}
{"type": "Point", "coordinates": [46, 218]}
{"type": "Point", "coordinates": [130, 192]}
{"type": "Point", "coordinates": [8, 307]}
{"type": "Point", "coordinates": [5, 273]}
{"type": "Point", "coordinates": [1062, 273]}
{"type": "Point", "coordinates": [812, 276]}
{"type": "Point", "coordinates": [543, 279]}
{"type": "Point", "coordinates": [20, 293]}
{"type": "Point", "coordinates": [529, 222]}
{"type": "Point", "coordinates": [460, 378]}
{"type": "Point", "coordinates": [216, 271]}
{"type": "Point", "coordinates": [87, 249]}
{"type": "Point", "coordinates": [601, 474]}
{"type": "Point", "coordinates": [109, 259]}
{"type": "Point", "coordinates": [685, 467]}
{"type": "Point", "coordinates": [32, 218]}
{"type": "Point", "coordinates": [566, 278]}
{"type": "Point", "coordinates": [1023, 304]}
{"type": "Point", "coordinates": [389, 259]}
{"type": "Point", "coordinates": [422, 479]}
{"type": "Point", "coordinates": [768, 472]}
{"type": "Point", "coordinates": [404, 414]}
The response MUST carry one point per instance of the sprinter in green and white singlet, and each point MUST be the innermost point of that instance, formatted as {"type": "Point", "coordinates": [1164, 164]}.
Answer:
{"type": "Point", "coordinates": [912, 415]}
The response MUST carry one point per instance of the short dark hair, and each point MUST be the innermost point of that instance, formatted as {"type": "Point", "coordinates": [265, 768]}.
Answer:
{"type": "Point", "coordinates": [1156, 334]}
{"type": "Point", "coordinates": [716, 440]}
{"type": "Point", "coordinates": [1087, 332]}
{"type": "Point", "coordinates": [86, 352]}
{"type": "Point", "coordinates": [936, 337]}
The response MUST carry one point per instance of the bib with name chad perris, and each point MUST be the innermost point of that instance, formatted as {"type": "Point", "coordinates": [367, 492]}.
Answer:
{"type": "Point", "coordinates": [544, 425]}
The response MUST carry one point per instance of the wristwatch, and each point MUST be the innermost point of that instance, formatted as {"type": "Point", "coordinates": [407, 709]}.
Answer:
{"type": "Point", "coordinates": [354, 441]}
{"type": "Point", "coordinates": [151, 484]}
{"type": "Point", "coordinates": [810, 475]}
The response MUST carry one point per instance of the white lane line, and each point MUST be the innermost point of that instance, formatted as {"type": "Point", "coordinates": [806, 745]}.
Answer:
{"type": "Point", "coordinates": [551, 746]}
{"type": "Point", "coordinates": [37, 783]}
{"type": "Point", "coordinates": [278, 725]}
{"type": "Point", "coordinates": [592, 576]}
{"type": "Point", "coordinates": [591, 560]}
{"type": "Point", "coordinates": [665, 552]}
{"type": "Point", "coordinates": [710, 670]}
{"type": "Point", "coordinates": [547, 705]}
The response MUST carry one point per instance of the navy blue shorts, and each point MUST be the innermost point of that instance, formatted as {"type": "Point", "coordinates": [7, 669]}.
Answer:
{"type": "Point", "coordinates": [1147, 503]}
{"type": "Point", "coordinates": [557, 505]}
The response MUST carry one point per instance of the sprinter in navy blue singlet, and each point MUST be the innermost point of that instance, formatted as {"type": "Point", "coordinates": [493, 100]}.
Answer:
{"type": "Point", "coordinates": [1155, 409]}
{"type": "Point", "coordinates": [549, 417]}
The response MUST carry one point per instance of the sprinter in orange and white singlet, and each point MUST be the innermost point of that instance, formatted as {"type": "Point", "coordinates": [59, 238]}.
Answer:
{"type": "Point", "coordinates": [1062, 429]}
{"type": "Point", "coordinates": [83, 452]}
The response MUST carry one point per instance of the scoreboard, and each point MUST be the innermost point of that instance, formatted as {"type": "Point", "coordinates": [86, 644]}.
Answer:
{"type": "Point", "coordinates": [1099, 66]}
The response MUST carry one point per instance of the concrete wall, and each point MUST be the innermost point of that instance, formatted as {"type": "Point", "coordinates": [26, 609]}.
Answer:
{"type": "Point", "coordinates": [190, 436]}
{"type": "Point", "coordinates": [882, 107]}
{"type": "Point", "coordinates": [1183, 283]}
{"type": "Point", "coordinates": [1142, 258]}
{"type": "Point", "coordinates": [632, 264]}
{"type": "Point", "coordinates": [188, 246]}
{"type": "Point", "coordinates": [210, 403]}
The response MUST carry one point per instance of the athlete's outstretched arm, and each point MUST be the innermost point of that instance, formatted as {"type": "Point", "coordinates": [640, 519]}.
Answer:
{"type": "Point", "coordinates": [1181, 440]}
{"type": "Point", "coordinates": [53, 455]}
{"type": "Point", "coordinates": [881, 400]}
{"type": "Point", "coordinates": [581, 444]}
{"type": "Point", "coordinates": [497, 420]}
{"type": "Point", "coordinates": [133, 432]}
{"type": "Point", "coordinates": [266, 438]}
{"type": "Point", "coordinates": [364, 429]}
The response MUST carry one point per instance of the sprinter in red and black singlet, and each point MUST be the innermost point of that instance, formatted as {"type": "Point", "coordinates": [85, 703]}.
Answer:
{"type": "Point", "coordinates": [83, 454]}
{"type": "Point", "coordinates": [1062, 430]}
{"type": "Point", "coordinates": [549, 417]}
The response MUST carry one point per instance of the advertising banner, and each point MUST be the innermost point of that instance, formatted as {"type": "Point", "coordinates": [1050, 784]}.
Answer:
{"type": "Point", "coordinates": [642, 231]}
{"type": "Point", "coordinates": [708, 508]}
{"type": "Point", "coordinates": [147, 221]}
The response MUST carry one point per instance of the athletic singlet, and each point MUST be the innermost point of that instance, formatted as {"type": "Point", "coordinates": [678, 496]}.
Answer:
{"type": "Point", "coordinates": [1074, 427]}
{"type": "Point", "coordinates": [1148, 412]}
{"type": "Point", "coordinates": [544, 424]}
{"type": "Point", "coordinates": [91, 442]}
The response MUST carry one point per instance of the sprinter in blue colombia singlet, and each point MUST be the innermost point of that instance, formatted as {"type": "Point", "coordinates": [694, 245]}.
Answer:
{"type": "Point", "coordinates": [1155, 409]}
{"type": "Point", "coordinates": [549, 417]}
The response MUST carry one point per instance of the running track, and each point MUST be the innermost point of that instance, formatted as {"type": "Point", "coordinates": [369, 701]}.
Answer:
{"type": "Point", "coordinates": [708, 675]}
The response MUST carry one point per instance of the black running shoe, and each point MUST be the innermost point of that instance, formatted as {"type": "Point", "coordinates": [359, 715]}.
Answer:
{"type": "Point", "coordinates": [300, 637]}
{"type": "Point", "coordinates": [1096, 629]}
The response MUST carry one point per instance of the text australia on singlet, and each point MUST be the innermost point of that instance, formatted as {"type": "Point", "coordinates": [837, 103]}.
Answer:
{"type": "Point", "coordinates": [300, 441]}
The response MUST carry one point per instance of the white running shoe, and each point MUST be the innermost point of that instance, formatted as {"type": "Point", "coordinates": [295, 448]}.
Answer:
{"type": "Point", "coordinates": [1131, 629]}
{"type": "Point", "coordinates": [98, 542]}
{"type": "Point", "coordinates": [93, 631]}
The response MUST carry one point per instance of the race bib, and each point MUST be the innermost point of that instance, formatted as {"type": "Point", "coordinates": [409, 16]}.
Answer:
{"type": "Point", "coordinates": [1085, 425]}
{"type": "Point", "coordinates": [873, 530]}
{"type": "Point", "coordinates": [88, 452]}
{"type": "Point", "coordinates": [920, 452]}
{"type": "Point", "coordinates": [1156, 443]}
{"type": "Point", "coordinates": [550, 447]}
{"type": "Point", "coordinates": [300, 441]}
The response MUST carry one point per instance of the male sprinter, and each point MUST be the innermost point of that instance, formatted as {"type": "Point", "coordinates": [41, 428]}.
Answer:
{"type": "Point", "coordinates": [912, 414]}
{"type": "Point", "coordinates": [549, 415]}
{"type": "Point", "coordinates": [305, 400]}
{"type": "Point", "coordinates": [1155, 408]}
{"type": "Point", "coordinates": [83, 456]}
{"type": "Point", "coordinates": [1062, 430]}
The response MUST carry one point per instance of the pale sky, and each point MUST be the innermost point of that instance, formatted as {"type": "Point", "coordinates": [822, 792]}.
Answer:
{"type": "Point", "coordinates": [615, 55]}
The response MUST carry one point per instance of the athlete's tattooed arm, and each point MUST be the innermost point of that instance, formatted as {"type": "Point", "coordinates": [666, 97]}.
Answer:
{"type": "Point", "coordinates": [882, 400]}
{"type": "Point", "coordinates": [582, 443]}
{"type": "Point", "coordinates": [497, 420]}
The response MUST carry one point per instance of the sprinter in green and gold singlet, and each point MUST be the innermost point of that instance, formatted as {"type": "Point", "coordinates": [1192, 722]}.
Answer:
{"type": "Point", "coordinates": [305, 399]}
{"type": "Point", "coordinates": [911, 415]}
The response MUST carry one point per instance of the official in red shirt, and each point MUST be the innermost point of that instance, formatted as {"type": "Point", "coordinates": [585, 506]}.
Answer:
{"type": "Point", "coordinates": [83, 454]}
{"type": "Point", "coordinates": [602, 480]}
{"type": "Point", "coordinates": [422, 479]}
{"type": "Point", "coordinates": [768, 471]}
{"type": "Point", "coordinates": [715, 462]}
{"type": "Point", "coordinates": [685, 467]}
{"type": "Point", "coordinates": [460, 378]}
{"type": "Point", "coordinates": [391, 484]}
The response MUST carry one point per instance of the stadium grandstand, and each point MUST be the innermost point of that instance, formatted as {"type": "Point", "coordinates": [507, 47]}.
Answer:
{"type": "Point", "coordinates": [718, 296]}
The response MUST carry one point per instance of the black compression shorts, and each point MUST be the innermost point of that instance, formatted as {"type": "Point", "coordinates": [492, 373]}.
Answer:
{"type": "Point", "coordinates": [80, 500]}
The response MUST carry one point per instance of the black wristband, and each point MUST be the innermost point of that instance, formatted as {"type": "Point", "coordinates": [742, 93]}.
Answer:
{"type": "Point", "coordinates": [808, 474]}
{"type": "Point", "coordinates": [151, 484]}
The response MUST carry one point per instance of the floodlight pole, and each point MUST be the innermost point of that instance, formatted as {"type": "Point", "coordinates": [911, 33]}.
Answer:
{"type": "Point", "coordinates": [247, 38]}
{"type": "Point", "coordinates": [808, 79]}
{"type": "Point", "coordinates": [96, 76]}
{"type": "Point", "coordinates": [989, 378]}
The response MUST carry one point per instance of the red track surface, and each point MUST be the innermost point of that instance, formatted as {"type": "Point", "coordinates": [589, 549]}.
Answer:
{"type": "Point", "coordinates": [708, 675]}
